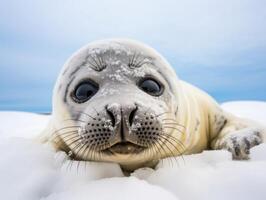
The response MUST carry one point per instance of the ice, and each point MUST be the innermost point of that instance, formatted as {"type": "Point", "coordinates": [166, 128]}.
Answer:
{"type": "Point", "coordinates": [30, 171]}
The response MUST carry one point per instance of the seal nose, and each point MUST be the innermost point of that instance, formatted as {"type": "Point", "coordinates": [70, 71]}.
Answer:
{"type": "Point", "coordinates": [118, 113]}
{"type": "Point", "coordinates": [114, 112]}
{"type": "Point", "coordinates": [131, 113]}
{"type": "Point", "coordinates": [122, 118]}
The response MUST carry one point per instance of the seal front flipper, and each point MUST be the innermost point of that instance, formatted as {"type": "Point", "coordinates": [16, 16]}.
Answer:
{"type": "Point", "coordinates": [238, 136]}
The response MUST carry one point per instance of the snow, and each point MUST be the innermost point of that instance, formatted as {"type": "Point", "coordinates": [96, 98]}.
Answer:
{"type": "Point", "coordinates": [248, 109]}
{"type": "Point", "coordinates": [21, 124]}
{"type": "Point", "coordinates": [30, 171]}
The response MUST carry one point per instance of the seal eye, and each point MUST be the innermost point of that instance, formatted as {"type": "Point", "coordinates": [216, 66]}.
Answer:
{"type": "Point", "coordinates": [151, 87]}
{"type": "Point", "coordinates": [84, 91]}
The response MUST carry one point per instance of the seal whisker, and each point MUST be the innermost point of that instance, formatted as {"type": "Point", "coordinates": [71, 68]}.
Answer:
{"type": "Point", "coordinates": [78, 120]}
{"type": "Point", "coordinates": [85, 156]}
{"type": "Point", "coordinates": [137, 64]}
{"type": "Point", "coordinates": [68, 165]}
{"type": "Point", "coordinates": [158, 115]}
{"type": "Point", "coordinates": [162, 147]}
{"type": "Point", "coordinates": [92, 148]}
{"type": "Point", "coordinates": [99, 153]}
{"type": "Point", "coordinates": [72, 137]}
{"type": "Point", "coordinates": [176, 147]}
{"type": "Point", "coordinates": [96, 111]}
{"type": "Point", "coordinates": [66, 127]}
{"type": "Point", "coordinates": [172, 123]}
{"type": "Point", "coordinates": [145, 112]}
{"type": "Point", "coordinates": [79, 147]}
{"type": "Point", "coordinates": [140, 62]}
{"type": "Point", "coordinates": [94, 155]}
{"type": "Point", "coordinates": [80, 112]}
{"type": "Point", "coordinates": [102, 63]}
{"type": "Point", "coordinates": [131, 60]}
{"type": "Point", "coordinates": [93, 151]}
{"type": "Point", "coordinates": [150, 151]}
{"type": "Point", "coordinates": [154, 149]}
{"type": "Point", "coordinates": [102, 60]}
{"type": "Point", "coordinates": [132, 65]}
{"type": "Point", "coordinates": [176, 140]}
{"type": "Point", "coordinates": [170, 127]}
{"type": "Point", "coordinates": [167, 137]}
{"type": "Point", "coordinates": [165, 151]}
{"type": "Point", "coordinates": [93, 65]}
{"type": "Point", "coordinates": [78, 154]}
{"type": "Point", "coordinates": [97, 64]}
{"type": "Point", "coordinates": [158, 149]}
{"type": "Point", "coordinates": [170, 150]}
{"type": "Point", "coordinates": [62, 136]}
{"type": "Point", "coordinates": [65, 134]}
{"type": "Point", "coordinates": [75, 141]}
{"type": "Point", "coordinates": [88, 151]}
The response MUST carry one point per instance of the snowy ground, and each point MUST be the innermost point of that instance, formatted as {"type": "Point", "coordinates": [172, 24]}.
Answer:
{"type": "Point", "coordinates": [29, 171]}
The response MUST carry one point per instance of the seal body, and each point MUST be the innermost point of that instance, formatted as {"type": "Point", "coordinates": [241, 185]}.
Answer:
{"type": "Point", "coordinates": [120, 101]}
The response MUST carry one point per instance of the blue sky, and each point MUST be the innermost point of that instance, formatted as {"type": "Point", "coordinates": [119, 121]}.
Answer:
{"type": "Point", "coordinates": [220, 46]}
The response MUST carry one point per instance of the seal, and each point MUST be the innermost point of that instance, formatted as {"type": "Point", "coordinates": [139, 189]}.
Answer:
{"type": "Point", "coordinates": [120, 101]}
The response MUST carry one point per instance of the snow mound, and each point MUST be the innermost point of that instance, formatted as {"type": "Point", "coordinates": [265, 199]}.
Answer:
{"type": "Point", "coordinates": [21, 124]}
{"type": "Point", "coordinates": [30, 171]}
{"type": "Point", "coordinates": [254, 110]}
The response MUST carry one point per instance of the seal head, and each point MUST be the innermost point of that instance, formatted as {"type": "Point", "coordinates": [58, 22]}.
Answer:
{"type": "Point", "coordinates": [116, 101]}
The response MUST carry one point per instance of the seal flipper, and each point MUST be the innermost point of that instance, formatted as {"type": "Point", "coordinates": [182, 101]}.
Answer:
{"type": "Point", "coordinates": [238, 136]}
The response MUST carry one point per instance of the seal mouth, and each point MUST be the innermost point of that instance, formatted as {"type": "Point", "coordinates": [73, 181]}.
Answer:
{"type": "Point", "coordinates": [125, 148]}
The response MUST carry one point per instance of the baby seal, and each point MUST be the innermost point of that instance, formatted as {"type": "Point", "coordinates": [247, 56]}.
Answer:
{"type": "Point", "coordinates": [120, 101]}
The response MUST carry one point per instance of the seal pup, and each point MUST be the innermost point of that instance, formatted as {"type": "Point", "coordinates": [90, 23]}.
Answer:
{"type": "Point", "coordinates": [120, 101]}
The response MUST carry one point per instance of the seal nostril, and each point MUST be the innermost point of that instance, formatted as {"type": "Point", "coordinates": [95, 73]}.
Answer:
{"type": "Point", "coordinates": [132, 115]}
{"type": "Point", "coordinates": [112, 117]}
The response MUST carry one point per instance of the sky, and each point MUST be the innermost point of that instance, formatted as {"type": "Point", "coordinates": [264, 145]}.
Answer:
{"type": "Point", "coordinates": [219, 46]}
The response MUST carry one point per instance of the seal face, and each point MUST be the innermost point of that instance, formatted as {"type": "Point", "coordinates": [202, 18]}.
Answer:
{"type": "Point", "coordinates": [120, 101]}
{"type": "Point", "coordinates": [112, 102]}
